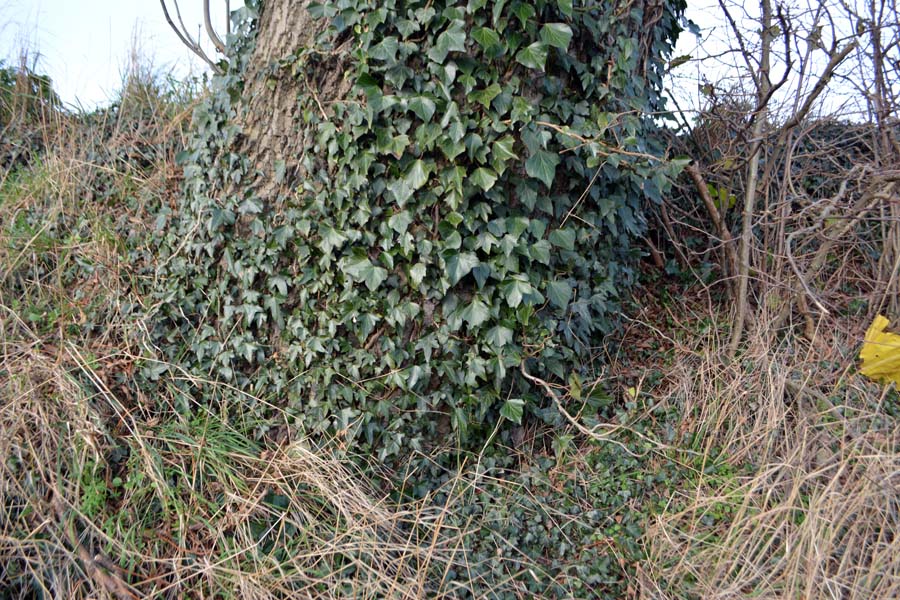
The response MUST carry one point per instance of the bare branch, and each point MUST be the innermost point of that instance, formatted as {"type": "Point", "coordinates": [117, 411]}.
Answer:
{"type": "Point", "coordinates": [185, 38]}
{"type": "Point", "coordinates": [740, 40]}
{"type": "Point", "coordinates": [750, 192]}
{"type": "Point", "coordinates": [817, 90]}
{"type": "Point", "coordinates": [217, 42]}
{"type": "Point", "coordinates": [731, 260]}
{"type": "Point", "coordinates": [789, 63]}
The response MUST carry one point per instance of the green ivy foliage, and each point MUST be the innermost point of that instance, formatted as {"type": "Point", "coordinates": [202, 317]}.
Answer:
{"type": "Point", "coordinates": [470, 205]}
{"type": "Point", "coordinates": [27, 102]}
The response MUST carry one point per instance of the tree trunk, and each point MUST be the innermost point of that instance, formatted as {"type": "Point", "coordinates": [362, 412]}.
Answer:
{"type": "Point", "coordinates": [385, 215]}
{"type": "Point", "coordinates": [274, 141]}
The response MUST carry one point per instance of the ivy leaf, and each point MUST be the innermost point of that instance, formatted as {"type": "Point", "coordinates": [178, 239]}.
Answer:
{"type": "Point", "coordinates": [400, 221]}
{"type": "Point", "coordinates": [417, 176]}
{"type": "Point", "coordinates": [565, 7]}
{"type": "Point", "coordinates": [513, 409]}
{"type": "Point", "coordinates": [563, 238]}
{"type": "Point", "coordinates": [560, 293]}
{"type": "Point", "coordinates": [280, 169]}
{"type": "Point", "coordinates": [417, 274]}
{"type": "Point", "coordinates": [485, 96]}
{"type": "Point", "coordinates": [481, 274]}
{"type": "Point", "coordinates": [540, 252]}
{"type": "Point", "coordinates": [407, 27]}
{"type": "Point", "coordinates": [459, 265]}
{"type": "Point", "coordinates": [385, 50]}
{"type": "Point", "coordinates": [360, 268]}
{"type": "Point", "coordinates": [515, 290]}
{"type": "Point", "coordinates": [457, 130]}
{"type": "Point", "coordinates": [453, 240]}
{"type": "Point", "coordinates": [451, 40]}
{"type": "Point", "coordinates": [575, 386]}
{"type": "Point", "coordinates": [450, 148]}
{"type": "Point", "coordinates": [487, 38]}
{"type": "Point", "coordinates": [524, 11]}
{"type": "Point", "coordinates": [454, 218]}
{"type": "Point", "coordinates": [282, 235]}
{"type": "Point", "coordinates": [515, 226]}
{"type": "Point", "coordinates": [557, 35]}
{"type": "Point", "coordinates": [542, 165]}
{"type": "Point", "coordinates": [499, 336]}
{"type": "Point", "coordinates": [484, 178]}
{"type": "Point", "coordinates": [423, 107]}
{"type": "Point", "coordinates": [475, 313]}
{"type": "Point", "coordinates": [502, 149]}
{"type": "Point", "coordinates": [330, 238]}
{"type": "Point", "coordinates": [497, 12]}
{"type": "Point", "coordinates": [250, 206]}
{"type": "Point", "coordinates": [533, 56]}
{"type": "Point", "coordinates": [401, 190]}
{"type": "Point", "coordinates": [460, 421]}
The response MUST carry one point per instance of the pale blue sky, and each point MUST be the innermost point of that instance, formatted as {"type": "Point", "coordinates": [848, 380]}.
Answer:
{"type": "Point", "coordinates": [85, 44]}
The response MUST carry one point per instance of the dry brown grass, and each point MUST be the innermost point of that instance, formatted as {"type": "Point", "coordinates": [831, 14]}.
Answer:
{"type": "Point", "coordinates": [804, 500]}
{"type": "Point", "coordinates": [200, 510]}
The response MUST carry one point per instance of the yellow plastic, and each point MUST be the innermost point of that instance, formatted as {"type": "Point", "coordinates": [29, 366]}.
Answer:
{"type": "Point", "coordinates": [880, 354]}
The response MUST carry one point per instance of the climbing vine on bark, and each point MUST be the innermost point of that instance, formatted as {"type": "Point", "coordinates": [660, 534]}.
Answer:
{"type": "Point", "coordinates": [466, 187]}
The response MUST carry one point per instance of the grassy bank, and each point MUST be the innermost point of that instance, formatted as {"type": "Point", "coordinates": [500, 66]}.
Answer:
{"type": "Point", "coordinates": [679, 475]}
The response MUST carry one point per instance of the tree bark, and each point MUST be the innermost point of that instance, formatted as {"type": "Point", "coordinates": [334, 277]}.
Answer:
{"type": "Point", "coordinates": [274, 139]}
{"type": "Point", "coordinates": [750, 194]}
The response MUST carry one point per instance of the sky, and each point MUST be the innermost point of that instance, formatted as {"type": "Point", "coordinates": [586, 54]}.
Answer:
{"type": "Point", "coordinates": [84, 45]}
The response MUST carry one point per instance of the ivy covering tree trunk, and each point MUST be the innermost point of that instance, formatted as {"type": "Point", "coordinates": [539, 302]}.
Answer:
{"type": "Point", "coordinates": [391, 206]}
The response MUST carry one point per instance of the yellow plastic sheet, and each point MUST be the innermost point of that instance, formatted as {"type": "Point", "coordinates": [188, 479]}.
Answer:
{"type": "Point", "coordinates": [880, 354]}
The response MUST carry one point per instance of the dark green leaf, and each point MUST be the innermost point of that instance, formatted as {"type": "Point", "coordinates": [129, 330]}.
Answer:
{"type": "Point", "coordinates": [486, 38]}
{"type": "Point", "coordinates": [400, 221]}
{"type": "Point", "coordinates": [563, 238]}
{"type": "Point", "coordinates": [502, 149]}
{"type": "Point", "coordinates": [475, 313]}
{"type": "Point", "coordinates": [499, 336]}
{"type": "Point", "coordinates": [401, 190]}
{"type": "Point", "coordinates": [459, 265]}
{"type": "Point", "coordinates": [360, 268]}
{"type": "Point", "coordinates": [542, 165]}
{"type": "Point", "coordinates": [524, 11]}
{"type": "Point", "coordinates": [452, 40]}
{"type": "Point", "coordinates": [484, 178]}
{"type": "Point", "coordinates": [423, 107]}
{"type": "Point", "coordinates": [417, 176]}
{"type": "Point", "coordinates": [533, 56]}
{"type": "Point", "coordinates": [559, 293]}
{"type": "Point", "coordinates": [484, 97]}
{"type": "Point", "coordinates": [330, 238]}
{"type": "Point", "coordinates": [516, 290]}
{"type": "Point", "coordinates": [385, 50]}
{"type": "Point", "coordinates": [540, 252]}
{"type": "Point", "coordinates": [417, 274]}
{"type": "Point", "coordinates": [513, 409]}
{"type": "Point", "coordinates": [557, 35]}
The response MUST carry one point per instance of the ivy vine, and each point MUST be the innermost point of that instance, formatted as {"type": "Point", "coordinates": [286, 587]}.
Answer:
{"type": "Point", "coordinates": [471, 204]}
